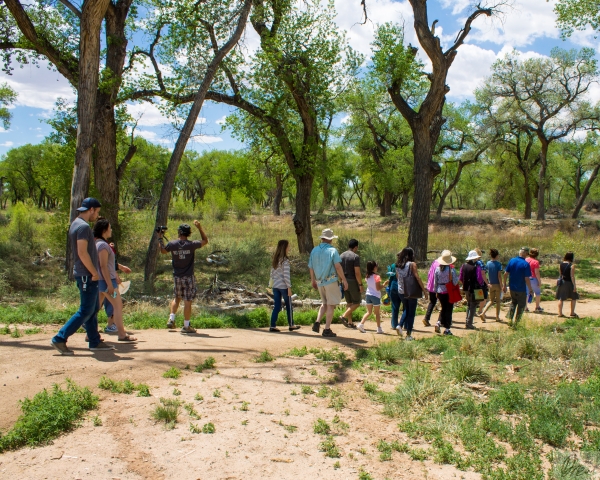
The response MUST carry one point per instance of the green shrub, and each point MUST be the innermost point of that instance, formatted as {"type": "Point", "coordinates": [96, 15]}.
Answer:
{"type": "Point", "coordinates": [216, 204]}
{"type": "Point", "coordinates": [172, 373]}
{"type": "Point", "coordinates": [467, 369]}
{"type": "Point", "coordinates": [242, 205]}
{"type": "Point", "coordinates": [48, 415]}
{"type": "Point", "coordinates": [567, 467]}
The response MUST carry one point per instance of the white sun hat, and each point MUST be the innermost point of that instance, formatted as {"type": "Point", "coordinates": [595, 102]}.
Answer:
{"type": "Point", "coordinates": [473, 255]}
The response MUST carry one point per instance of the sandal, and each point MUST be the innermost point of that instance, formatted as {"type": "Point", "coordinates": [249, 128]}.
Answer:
{"type": "Point", "coordinates": [127, 338]}
{"type": "Point", "coordinates": [294, 327]}
{"type": "Point", "coordinates": [574, 315]}
{"type": "Point", "coordinates": [561, 316]}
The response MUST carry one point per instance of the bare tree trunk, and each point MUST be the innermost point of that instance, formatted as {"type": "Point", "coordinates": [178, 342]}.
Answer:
{"type": "Point", "coordinates": [585, 192]}
{"type": "Point", "coordinates": [405, 204]}
{"type": "Point", "coordinates": [302, 223]}
{"type": "Point", "coordinates": [528, 198]}
{"type": "Point", "coordinates": [278, 197]}
{"type": "Point", "coordinates": [162, 210]}
{"type": "Point", "coordinates": [385, 209]}
{"type": "Point", "coordinates": [541, 194]}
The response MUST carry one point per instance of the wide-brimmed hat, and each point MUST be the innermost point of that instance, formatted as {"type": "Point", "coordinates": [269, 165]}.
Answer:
{"type": "Point", "coordinates": [446, 258]}
{"type": "Point", "coordinates": [327, 234]}
{"type": "Point", "coordinates": [473, 255]}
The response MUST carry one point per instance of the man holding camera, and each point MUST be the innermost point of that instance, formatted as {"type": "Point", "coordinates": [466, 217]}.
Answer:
{"type": "Point", "coordinates": [182, 255]}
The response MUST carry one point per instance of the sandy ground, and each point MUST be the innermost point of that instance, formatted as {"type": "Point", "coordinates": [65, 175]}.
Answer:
{"type": "Point", "coordinates": [131, 445]}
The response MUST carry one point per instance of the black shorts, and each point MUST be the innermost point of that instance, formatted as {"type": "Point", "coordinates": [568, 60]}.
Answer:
{"type": "Point", "coordinates": [185, 287]}
{"type": "Point", "coordinates": [352, 295]}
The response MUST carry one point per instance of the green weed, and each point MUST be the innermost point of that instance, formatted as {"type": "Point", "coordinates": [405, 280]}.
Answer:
{"type": "Point", "coordinates": [208, 428]}
{"type": "Point", "coordinates": [321, 427]}
{"type": "Point", "coordinates": [264, 357]}
{"type": "Point", "coordinates": [330, 448]}
{"type": "Point", "coordinates": [208, 364]}
{"type": "Point", "coordinates": [167, 411]}
{"type": "Point", "coordinates": [172, 373]}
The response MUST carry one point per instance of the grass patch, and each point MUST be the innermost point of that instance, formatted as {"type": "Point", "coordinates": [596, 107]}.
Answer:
{"type": "Point", "coordinates": [47, 415]}
{"type": "Point", "coordinates": [126, 386]}
{"type": "Point", "coordinates": [330, 448]}
{"type": "Point", "coordinates": [172, 373]}
{"type": "Point", "coordinates": [264, 357]}
{"type": "Point", "coordinates": [297, 352]}
{"type": "Point", "coordinates": [167, 411]}
{"type": "Point", "coordinates": [207, 364]}
{"type": "Point", "coordinates": [208, 428]}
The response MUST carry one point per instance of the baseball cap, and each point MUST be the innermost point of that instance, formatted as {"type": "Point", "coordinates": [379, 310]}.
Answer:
{"type": "Point", "coordinates": [526, 249]}
{"type": "Point", "coordinates": [88, 203]}
{"type": "Point", "coordinates": [184, 229]}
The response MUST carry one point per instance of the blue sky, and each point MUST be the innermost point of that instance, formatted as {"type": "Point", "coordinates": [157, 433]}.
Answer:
{"type": "Point", "coordinates": [529, 26]}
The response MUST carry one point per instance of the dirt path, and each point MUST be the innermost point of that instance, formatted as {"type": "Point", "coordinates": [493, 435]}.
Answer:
{"type": "Point", "coordinates": [258, 443]}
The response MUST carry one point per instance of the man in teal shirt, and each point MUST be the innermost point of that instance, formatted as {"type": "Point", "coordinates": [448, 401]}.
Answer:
{"type": "Point", "coordinates": [325, 271]}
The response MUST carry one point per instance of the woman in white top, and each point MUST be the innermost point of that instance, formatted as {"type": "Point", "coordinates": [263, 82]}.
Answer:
{"type": "Point", "coordinates": [282, 285]}
{"type": "Point", "coordinates": [373, 296]}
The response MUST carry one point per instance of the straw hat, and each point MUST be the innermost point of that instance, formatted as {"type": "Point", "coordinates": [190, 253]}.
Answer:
{"type": "Point", "coordinates": [327, 234]}
{"type": "Point", "coordinates": [446, 258]}
{"type": "Point", "coordinates": [473, 255]}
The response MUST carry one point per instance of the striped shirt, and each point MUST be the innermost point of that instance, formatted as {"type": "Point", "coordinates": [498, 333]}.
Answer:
{"type": "Point", "coordinates": [281, 275]}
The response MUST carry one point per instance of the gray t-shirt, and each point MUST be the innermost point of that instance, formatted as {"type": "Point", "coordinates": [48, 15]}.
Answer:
{"type": "Point", "coordinates": [182, 255]}
{"type": "Point", "coordinates": [349, 261]}
{"type": "Point", "coordinates": [102, 245]}
{"type": "Point", "coordinates": [80, 230]}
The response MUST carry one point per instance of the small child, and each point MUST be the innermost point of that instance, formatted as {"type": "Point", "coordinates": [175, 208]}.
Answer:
{"type": "Point", "coordinates": [373, 296]}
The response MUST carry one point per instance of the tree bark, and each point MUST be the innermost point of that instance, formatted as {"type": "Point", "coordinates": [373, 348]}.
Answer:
{"type": "Point", "coordinates": [405, 200]}
{"type": "Point", "coordinates": [541, 194]}
{"type": "Point", "coordinates": [585, 192]}
{"type": "Point", "coordinates": [302, 225]}
{"type": "Point", "coordinates": [162, 210]}
{"type": "Point", "coordinates": [385, 209]}
{"type": "Point", "coordinates": [528, 198]}
{"type": "Point", "coordinates": [278, 195]}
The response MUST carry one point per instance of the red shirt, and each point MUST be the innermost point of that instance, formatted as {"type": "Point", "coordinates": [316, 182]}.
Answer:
{"type": "Point", "coordinates": [534, 265]}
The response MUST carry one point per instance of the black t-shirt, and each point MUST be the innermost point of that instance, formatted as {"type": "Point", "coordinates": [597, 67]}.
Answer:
{"type": "Point", "coordinates": [182, 254]}
{"type": "Point", "coordinates": [349, 261]}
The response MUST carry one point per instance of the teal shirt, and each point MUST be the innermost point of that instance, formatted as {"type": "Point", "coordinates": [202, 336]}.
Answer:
{"type": "Point", "coordinates": [322, 260]}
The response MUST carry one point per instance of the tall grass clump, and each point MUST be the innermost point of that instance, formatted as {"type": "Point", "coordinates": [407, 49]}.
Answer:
{"type": "Point", "coordinates": [48, 414]}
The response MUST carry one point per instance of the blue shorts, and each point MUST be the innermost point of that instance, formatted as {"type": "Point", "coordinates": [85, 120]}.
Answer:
{"type": "Point", "coordinates": [373, 300]}
{"type": "Point", "coordinates": [535, 286]}
{"type": "Point", "coordinates": [103, 287]}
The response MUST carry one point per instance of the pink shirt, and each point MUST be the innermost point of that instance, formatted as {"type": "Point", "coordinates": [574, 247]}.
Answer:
{"type": "Point", "coordinates": [431, 277]}
{"type": "Point", "coordinates": [533, 264]}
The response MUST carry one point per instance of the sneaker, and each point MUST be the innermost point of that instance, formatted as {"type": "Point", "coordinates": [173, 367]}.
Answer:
{"type": "Point", "coordinates": [62, 348]}
{"type": "Point", "coordinates": [426, 322]}
{"type": "Point", "coordinates": [409, 338]}
{"type": "Point", "coordinates": [361, 328]}
{"type": "Point", "coordinates": [273, 330]}
{"type": "Point", "coordinates": [171, 324]}
{"type": "Point", "coordinates": [470, 327]}
{"type": "Point", "coordinates": [186, 330]}
{"type": "Point", "coordinates": [437, 328]}
{"type": "Point", "coordinates": [316, 327]}
{"type": "Point", "coordinates": [111, 328]}
{"type": "Point", "coordinates": [539, 310]}
{"type": "Point", "coordinates": [379, 330]}
{"type": "Point", "coordinates": [328, 333]}
{"type": "Point", "coordinates": [447, 332]}
{"type": "Point", "coordinates": [294, 327]}
{"type": "Point", "coordinates": [399, 330]}
{"type": "Point", "coordinates": [102, 347]}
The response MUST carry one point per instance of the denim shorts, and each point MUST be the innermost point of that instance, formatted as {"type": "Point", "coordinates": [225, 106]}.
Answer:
{"type": "Point", "coordinates": [103, 286]}
{"type": "Point", "coordinates": [373, 300]}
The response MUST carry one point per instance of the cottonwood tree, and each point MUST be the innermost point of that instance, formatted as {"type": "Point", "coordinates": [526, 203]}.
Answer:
{"type": "Point", "coordinates": [397, 65]}
{"type": "Point", "coordinates": [206, 33]}
{"type": "Point", "coordinates": [577, 15]}
{"type": "Point", "coordinates": [68, 36]}
{"type": "Point", "coordinates": [546, 97]}
{"type": "Point", "coordinates": [378, 132]}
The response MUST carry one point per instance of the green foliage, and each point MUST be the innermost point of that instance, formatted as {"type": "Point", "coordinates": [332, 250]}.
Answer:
{"type": "Point", "coordinates": [208, 364]}
{"type": "Point", "coordinates": [264, 357]}
{"type": "Point", "coordinates": [567, 467]}
{"type": "Point", "coordinates": [330, 448]}
{"type": "Point", "coordinates": [321, 427]}
{"type": "Point", "coordinates": [208, 428]}
{"type": "Point", "coordinates": [125, 386]}
{"type": "Point", "coordinates": [48, 415]}
{"type": "Point", "coordinates": [167, 411]}
{"type": "Point", "coordinates": [172, 372]}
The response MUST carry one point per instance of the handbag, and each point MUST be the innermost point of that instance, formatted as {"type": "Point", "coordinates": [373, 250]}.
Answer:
{"type": "Point", "coordinates": [454, 295]}
{"type": "Point", "coordinates": [478, 294]}
{"type": "Point", "coordinates": [412, 288]}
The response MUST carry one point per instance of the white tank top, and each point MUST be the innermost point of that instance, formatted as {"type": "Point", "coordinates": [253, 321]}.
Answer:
{"type": "Point", "coordinates": [372, 285]}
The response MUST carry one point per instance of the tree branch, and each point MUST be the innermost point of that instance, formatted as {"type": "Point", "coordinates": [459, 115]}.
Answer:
{"type": "Point", "coordinates": [71, 7]}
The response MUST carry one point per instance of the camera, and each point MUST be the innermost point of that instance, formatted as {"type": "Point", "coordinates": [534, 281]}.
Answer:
{"type": "Point", "coordinates": [161, 229]}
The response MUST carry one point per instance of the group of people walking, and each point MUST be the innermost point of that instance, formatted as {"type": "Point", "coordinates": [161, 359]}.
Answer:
{"type": "Point", "coordinates": [483, 285]}
{"type": "Point", "coordinates": [335, 277]}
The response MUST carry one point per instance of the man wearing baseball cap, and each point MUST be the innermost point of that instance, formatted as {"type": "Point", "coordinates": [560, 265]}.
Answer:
{"type": "Point", "coordinates": [85, 271]}
{"type": "Point", "coordinates": [325, 271]}
{"type": "Point", "coordinates": [518, 271]}
{"type": "Point", "coordinates": [182, 255]}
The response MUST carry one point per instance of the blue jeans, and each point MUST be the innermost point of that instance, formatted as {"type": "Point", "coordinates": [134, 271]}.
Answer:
{"type": "Point", "coordinates": [395, 298]}
{"type": "Point", "coordinates": [108, 308]}
{"type": "Point", "coordinates": [278, 295]}
{"type": "Point", "coordinates": [86, 316]}
{"type": "Point", "coordinates": [408, 315]}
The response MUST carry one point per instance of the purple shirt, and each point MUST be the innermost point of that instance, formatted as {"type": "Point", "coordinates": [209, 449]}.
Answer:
{"type": "Point", "coordinates": [431, 277]}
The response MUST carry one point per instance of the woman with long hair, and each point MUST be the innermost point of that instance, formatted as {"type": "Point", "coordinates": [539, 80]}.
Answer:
{"type": "Point", "coordinates": [108, 282]}
{"type": "Point", "coordinates": [373, 296]}
{"type": "Point", "coordinates": [567, 288]}
{"type": "Point", "coordinates": [406, 267]}
{"type": "Point", "coordinates": [282, 285]}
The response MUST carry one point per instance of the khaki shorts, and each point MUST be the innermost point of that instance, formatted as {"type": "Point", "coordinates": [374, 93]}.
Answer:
{"type": "Point", "coordinates": [331, 294]}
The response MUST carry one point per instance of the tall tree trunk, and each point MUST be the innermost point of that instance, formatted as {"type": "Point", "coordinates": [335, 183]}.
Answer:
{"type": "Point", "coordinates": [92, 14]}
{"type": "Point", "coordinates": [162, 210]}
{"type": "Point", "coordinates": [302, 223]}
{"type": "Point", "coordinates": [528, 198]}
{"type": "Point", "coordinates": [385, 209]}
{"type": "Point", "coordinates": [424, 173]}
{"type": "Point", "coordinates": [405, 200]}
{"type": "Point", "coordinates": [585, 192]}
{"type": "Point", "coordinates": [278, 195]}
{"type": "Point", "coordinates": [541, 194]}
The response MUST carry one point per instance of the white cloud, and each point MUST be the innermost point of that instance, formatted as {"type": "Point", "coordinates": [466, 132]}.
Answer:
{"type": "Point", "coordinates": [38, 87]}
{"type": "Point", "coordinates": [345, 119]}
{"type": "Point", "coordinates": [7, 144]}
{"type": "Point", "coordinates": [457, 5]}
{"type": "Point", "coordinates": [471, 65]}
{"type": "Point", "coordinates": [153, 136]}
{"type": "Point", "coordinates": [519, 25]}
{"type": "Point", "coordinates": [221, 121]}
{"type": "Point", "coordinates": [207, 139]}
